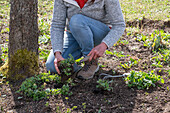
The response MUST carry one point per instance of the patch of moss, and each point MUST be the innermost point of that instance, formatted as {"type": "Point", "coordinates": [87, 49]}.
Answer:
{"type": "Point", "coordinates": [22, 64]}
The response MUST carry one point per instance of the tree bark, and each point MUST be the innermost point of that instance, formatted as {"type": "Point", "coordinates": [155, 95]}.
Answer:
{"type": "Point", "coordinates": [23, 26]}
{"type": "Point", "coordinates": [23, 33]}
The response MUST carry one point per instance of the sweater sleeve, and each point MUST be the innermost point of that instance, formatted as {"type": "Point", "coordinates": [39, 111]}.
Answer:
{"type": "Point", "coordinates": [58, 25]}
{"type": "Point", "coordinates": [115, 16]}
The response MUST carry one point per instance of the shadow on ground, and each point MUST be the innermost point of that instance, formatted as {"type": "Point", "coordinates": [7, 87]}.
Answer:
{"type": "Point", "coordinates": [15, 103]}
{"type": "Point", "coordinates": [120, 100]}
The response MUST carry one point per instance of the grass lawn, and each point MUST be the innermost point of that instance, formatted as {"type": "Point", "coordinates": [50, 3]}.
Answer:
{"type": "Point", "coordinates": [151, 9]}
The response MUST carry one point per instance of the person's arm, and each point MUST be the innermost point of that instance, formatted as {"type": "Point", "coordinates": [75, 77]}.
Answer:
{"type": "Point", "coordinates": [116, 19]}
{"type": "Point", "coordinates": [57, 31]}
{"type": "Point", "coordinates": [57, 59]}
{"type": "Point", "coordinates": [97, 51]}
{"type": "Point", "coordinates": [58, 25]}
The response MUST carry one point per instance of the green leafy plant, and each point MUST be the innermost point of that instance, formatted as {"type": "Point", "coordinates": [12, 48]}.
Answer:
{"type": "Point", "coordinates": [4, 51]}
{"type": "Point", "coordinates": [160, 40]}
{"type": "Point", "coordinates": [44, 25]}
{"type": "Point", "coordinates": [109, 52]}
{"type": "Point", "coordinates": [161, 58]}
{"type": "Point", "coordinates": [74, 107]}
{"type": "Point", "coordinates": [43, 54]}
{"type": "Point", "coordinates": [47, 104]}
{"type": "Point", "coordinates": [129, 64]}
{"type": "Point", "coordinates": [44, 39]}
{"type": "Point", "coordinates": [126, 65]}
{"type": "Point", "coordinates": [159, 64]}
{"type": "Point", "coordinates": [142, 80]}
{"type": "Point", "coordinates": [66, 66]}
{"type": "Point", "coordinates": [115, 53]}
{"type": "Point", "coordinates": [84, 106]}
{"type": "Point", "coordinates": [65, 90]}
{"type": "Point", "coordinates": [47, 77]}
{"type": "Point", "coordinates": [121, 42]}
{"type": "Point", "coordinates": [141, 37]}
{"type": "Point", "coordinates": [35, 87]}
{"type": "Point", "coordinates": [157, 41]}
{"type": "Point", "coordinates": [166, 56]}
{"type": "Point", "coordinates": [31, 87]}
{"type": "Point", "coordinates": [104, 84]}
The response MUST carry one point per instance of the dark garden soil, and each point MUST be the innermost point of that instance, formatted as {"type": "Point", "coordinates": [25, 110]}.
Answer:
{"type": "Point", "coordinates": [88, 99]}
{"type": "Point", "coordinates": [150, 24]}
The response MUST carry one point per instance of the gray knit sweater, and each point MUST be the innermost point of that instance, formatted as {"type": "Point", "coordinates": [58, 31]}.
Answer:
{"type": "Point", "coordinates": [106, 11]}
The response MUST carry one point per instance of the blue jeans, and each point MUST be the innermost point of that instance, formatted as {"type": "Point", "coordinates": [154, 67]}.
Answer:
{"type": "Point", "coordinates": [86, 33]}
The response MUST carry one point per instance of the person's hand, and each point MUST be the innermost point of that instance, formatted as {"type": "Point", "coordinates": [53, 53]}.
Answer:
{"type": "Point", "coordinates": [97, 51]}
{"type": "Point", "coordinates": [57, 59]}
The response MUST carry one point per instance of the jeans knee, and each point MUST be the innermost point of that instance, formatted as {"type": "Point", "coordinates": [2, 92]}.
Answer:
{"type": "Point", "coordinates": [50, 67]}
{"type": "Point", "coordinates": [47, 64]}
{"type": "Point", "coordinates": [77, 20]}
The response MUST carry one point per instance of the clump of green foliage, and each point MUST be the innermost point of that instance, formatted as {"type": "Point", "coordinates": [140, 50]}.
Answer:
{"type": "Point", "coordinates": [66, 66]}
{"type": "Point", "coordinates": [165, 56]}
{"type": "Point", "coordinates": [142, 80]}
{"type": "Point", "coordinates": [65, 90]}
{"type": "Point", "coordinates": [160, 40]}
{"type": "Point", "coordinates": [116, 54]}
{"type": "Point", "coordinates": [36, 87]}
{"type": "Point", "coordinates": [161, 58]}
{"type": "Point", "coordinates": [157, 41]}
{"type": "Point", "coordinates": [129, 64]}
{"type": "Point", "coordinates": [32, 87]}
{"type": "Point", "coordinates": [104, 84]}
{"type": "Point", "coordinates": [43, 54]}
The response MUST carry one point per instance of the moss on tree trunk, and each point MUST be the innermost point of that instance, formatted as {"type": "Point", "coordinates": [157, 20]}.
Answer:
{"type": "Point", "coordinates": [23, 64]}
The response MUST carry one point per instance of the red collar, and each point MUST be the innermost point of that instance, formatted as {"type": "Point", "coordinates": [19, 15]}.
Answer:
{"type": "Point", "coordinates": [81, 3]}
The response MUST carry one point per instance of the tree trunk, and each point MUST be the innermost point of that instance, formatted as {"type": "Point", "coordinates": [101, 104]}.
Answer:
{"type": "Point", "coordinates": [23, 39]}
